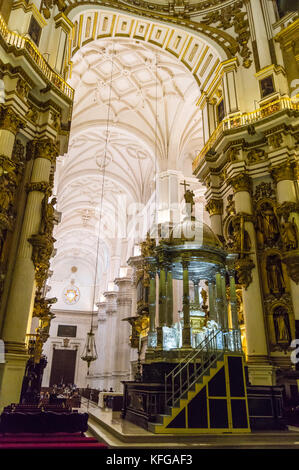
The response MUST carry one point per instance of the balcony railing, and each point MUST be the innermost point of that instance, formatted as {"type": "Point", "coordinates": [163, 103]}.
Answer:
{"type": "Point", "coordinates": [245, 120]}
{"type": "Point", "coordinates": [20, 42]}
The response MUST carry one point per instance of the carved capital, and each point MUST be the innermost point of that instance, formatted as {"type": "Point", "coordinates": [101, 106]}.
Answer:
{"type": "Point", "coordinates": [284, 171]}
{"type": "Point", "coordinates": [215, 207]}
{"type": "Point", "coordinates": [9, 119]}
{"type": "Point", "coordinates": [291, 260]}
{"type": "Point", "coordinates": [41, 186]}
{"type": "Point", "coordinates": [44, 148]}
{"type": "Point", "coordinates": [243, 268]}
{"type": "Point", "coordinates": [241, 182]}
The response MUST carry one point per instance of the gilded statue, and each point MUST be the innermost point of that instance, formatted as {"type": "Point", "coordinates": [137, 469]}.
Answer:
{"type": "Point", "coordinates": [267, 225]}
{"type": "Point", "coordinates": [289, 235]}
{"type": "Point", "coordinates": [275, 277]}
{"type": "Point", "coordinates": [204, 296]}
{"type": "Point", "coordinates": [48, 215]}
{"type": "Point", "coordinates": [240, 240]}
{"type": "Point", "coordinates": [280, 318]}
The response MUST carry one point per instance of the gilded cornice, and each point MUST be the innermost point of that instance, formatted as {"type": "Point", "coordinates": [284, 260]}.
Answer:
{"type": "Point", "coordinates": [10, 120]}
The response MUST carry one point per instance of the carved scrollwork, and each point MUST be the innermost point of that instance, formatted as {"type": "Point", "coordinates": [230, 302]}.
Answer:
{"type": "Point", "coordinates": [233, 16]}
{"type": "Point", "coordinates": [243, 268]}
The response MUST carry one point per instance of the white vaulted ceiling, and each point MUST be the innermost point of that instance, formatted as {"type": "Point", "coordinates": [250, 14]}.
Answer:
{"type": "Point", "coordinates": [134, 116]}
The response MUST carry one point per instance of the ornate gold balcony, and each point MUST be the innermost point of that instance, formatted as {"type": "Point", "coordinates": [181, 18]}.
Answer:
{"type": "Point", "coordinates": [22, 43]}
{"type": "Point", "coordinates": [244, 120]}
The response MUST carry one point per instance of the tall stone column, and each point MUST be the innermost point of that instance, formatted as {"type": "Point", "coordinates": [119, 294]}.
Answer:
{"type": "Point", "coordinates": [100, 341]}
{"type": "Point", "coordinates": [219, 300]}
{"type": "Point", "coordinates": [196, 290]}
{"type": "Point", "coordinates": [122, 348]}
{"type": "Point", "coordinates": [288, 209]}
{"type": "Point", "coordinates": [111, 331]}
{"type": "Point", "coordinates": [212, 300]}
{"type": "Point", "coordinates": [215, 210]}
{"type": "Point", "coordinates": [162, 306]}
{"type": "Point", "coordinates": [233, 300]}
{"type": "Point", "coordinates": [224, 301]}
{"type": "Point", "coordinates": [169, 298]}
{"type": "Point", "coordinates": [186, 304]}
{"type": "Point", "coordinates": [260, 371]}
{"type": "Point", "coordinates": [18, 314]}
{"type": "Point", "coordinates": [152, 307]}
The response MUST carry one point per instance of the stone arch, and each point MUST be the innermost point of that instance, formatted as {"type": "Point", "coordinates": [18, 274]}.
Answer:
{"type": "Point", "coordinates": [202, 51]}
{"type": "Point", "coordinates": [220, 39]}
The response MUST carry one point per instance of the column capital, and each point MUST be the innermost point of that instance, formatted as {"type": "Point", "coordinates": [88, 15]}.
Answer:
{"type": "Point", "coordinates": [215, 207]}
{"type": "Point", "coordinates": [283, 171]}
{"type": "Point", "coordinates": [10, 120]}
{"type": "Point", "coordinates": [241, 182]}
{"type": "Point", "coordinates": [43, 148]}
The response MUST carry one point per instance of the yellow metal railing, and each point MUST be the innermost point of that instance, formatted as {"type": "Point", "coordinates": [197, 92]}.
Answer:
{"type": "Point", "coordinates": [245, 120]}
{"type": "Point", "coordinates": [20, 42]}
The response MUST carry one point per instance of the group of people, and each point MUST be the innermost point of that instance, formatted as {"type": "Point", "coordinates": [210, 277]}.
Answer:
{"type": "Point", "coordinates": [63, 391]}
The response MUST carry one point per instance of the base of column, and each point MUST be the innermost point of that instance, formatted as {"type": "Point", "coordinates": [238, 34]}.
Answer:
{"type": "Point", "coordinates": [186, 337]}
{"type": "Point", "coordinates": [261, 374]}
{"type": "Point", "coordinates": [11, 378]}
{"type": "Point", "coordinates": [159, 337]}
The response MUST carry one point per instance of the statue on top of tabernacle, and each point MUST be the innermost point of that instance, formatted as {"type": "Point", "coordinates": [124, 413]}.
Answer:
{"type": "Point", "coordinates": [189, 200]}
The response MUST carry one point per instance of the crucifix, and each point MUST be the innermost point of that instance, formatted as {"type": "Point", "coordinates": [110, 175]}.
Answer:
{"type": "Point", "coordinates": [185, 185]}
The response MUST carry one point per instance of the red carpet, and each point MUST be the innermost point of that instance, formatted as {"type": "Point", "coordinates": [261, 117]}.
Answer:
{"type": "Point", "coordinates": [49, 441]}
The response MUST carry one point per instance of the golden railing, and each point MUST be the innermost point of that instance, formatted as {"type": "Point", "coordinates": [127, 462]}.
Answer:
{"type": "Point", "coordinates": [245, 120]}
{"type": "Point", "coordinates": [20, 42]}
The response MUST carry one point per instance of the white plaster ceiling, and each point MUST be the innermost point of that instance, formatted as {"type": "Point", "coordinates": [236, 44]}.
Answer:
{"type": "Point", "coordinates": [134, 115]}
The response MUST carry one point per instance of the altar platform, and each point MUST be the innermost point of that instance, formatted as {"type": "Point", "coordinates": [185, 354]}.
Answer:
{"type": "Point", "coordinates": [109, 427]}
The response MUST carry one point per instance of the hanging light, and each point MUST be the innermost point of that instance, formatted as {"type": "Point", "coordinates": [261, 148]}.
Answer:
{"type": "Point", "coordinates": [90, 351]}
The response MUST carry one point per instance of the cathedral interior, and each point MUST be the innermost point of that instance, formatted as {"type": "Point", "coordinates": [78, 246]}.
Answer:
{"type": "Point", "coordinates": [149, 219]}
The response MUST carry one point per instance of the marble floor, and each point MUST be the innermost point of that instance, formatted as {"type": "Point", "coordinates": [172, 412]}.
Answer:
{"type": "Point", "coordinates": [109, 427]}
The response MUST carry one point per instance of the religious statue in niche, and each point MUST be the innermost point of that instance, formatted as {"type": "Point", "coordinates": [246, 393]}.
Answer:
{"type": "Point", "coordinates": [239, 240]}
{"type": "Point", "coordinates": [281, 324]}
{"type": "Point", "coordinates": [289, 235]}
{"type": "Point", "coordinates": [267, 225]}
{"type": "Point", "coordinates": [275, 277]}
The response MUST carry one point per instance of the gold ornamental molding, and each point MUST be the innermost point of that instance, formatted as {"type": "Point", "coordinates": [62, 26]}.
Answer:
{"type": "Point", "coordinates": [215, 207]}
{"type": "Point", "coordinates": [286, 209]}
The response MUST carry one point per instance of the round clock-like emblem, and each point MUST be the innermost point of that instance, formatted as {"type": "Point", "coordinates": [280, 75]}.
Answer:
{"type": "Point", "coordinates": [71, 295]}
